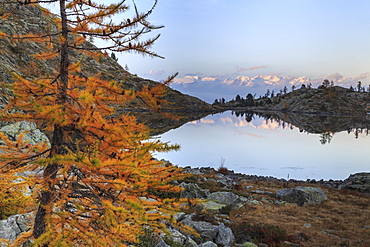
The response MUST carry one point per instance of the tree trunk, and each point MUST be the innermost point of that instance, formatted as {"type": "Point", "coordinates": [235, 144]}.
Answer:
{"type": "Point", "coordinates": [59, 139]}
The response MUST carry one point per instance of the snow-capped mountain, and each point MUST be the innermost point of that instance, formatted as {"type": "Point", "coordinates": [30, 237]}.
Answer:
{"type": "Point", "coordinates": [209, 88]}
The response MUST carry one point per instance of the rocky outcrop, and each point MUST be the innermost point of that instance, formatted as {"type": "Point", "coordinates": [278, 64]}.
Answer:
{"type": "Point", "coordinates": [13, 226]}
{"type": "Point", "coordinates": [191, 191]}
{"type": "Point", "coordinates": [220, 235]}
{"type": "Point", "coordinates": [302, 195]}
{"type": "Point", "coordinates": [359, 182]}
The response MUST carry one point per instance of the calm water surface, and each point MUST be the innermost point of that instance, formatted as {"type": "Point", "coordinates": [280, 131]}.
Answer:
{"type": "Point", "coordinates": [267, 148]}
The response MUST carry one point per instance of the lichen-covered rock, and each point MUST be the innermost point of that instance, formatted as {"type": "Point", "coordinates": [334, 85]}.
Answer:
{"type": "Point", "coordinates": [213, 207]}
{"type": "Point", "coordinates": [193, 191]}
{"type": "Point", "coordinates": [208, 244]}
{"type": "Point", "coordinates": [190, 243]}
{"type": "Point", "coordinates": [227, 198]}
{"type": "Point", "coordinates": [177, 237]}
{"type": "Point", "coordinates": [13, 226]}
{"type": "Point", "coordinates": [302, 195]}
{"type": "Point", "coordinates": [358, 181]}
{"type": "Point", "coordinates": [30, 132]}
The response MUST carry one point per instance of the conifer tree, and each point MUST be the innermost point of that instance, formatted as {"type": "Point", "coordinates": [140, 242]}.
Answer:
{"type": "Point", "coordinates": [98, 176]}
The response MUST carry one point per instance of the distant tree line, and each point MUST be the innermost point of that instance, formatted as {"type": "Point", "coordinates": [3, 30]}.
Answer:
{"type": "Point", "coordinates": [272, 97]}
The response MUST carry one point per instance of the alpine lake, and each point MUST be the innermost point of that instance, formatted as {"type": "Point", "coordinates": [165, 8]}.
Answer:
{"type": "Point", "coordinates": [281, 145]}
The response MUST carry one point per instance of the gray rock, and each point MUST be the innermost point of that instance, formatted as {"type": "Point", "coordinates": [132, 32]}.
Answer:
{"type": "Point", "coordinates": [190, 242]}
{"type": "Point", "coordinates": [206, 230]}
{"type": "Point", "coordinates": [358, 181]}
{"type": "Point", "coordinates": [162, 244]}
{"type": "Point", "coordinates": [13, 226]}
{"type": "Point", "coordinates": [262, 192]}
{"type": "Point", "coordinates": [246, 244]}
{"type": "Point", "coordinates": [187, 219]}
{"type": "Point", "coordinates": [213, 207]}
{"type": "Point", "coordinates": [208, 244]}
{"type": "Point", "coordinates": [225, 236]}
{"type": "Point", "coordinates": [179, 216]}
{"type": "Point", "coordinates": [227, 198]}
{"type": "Point", "coordinates": [29, 130]}
{"type": "Point", "coordinates": [177, 237]}
{"type": "Point", "coordinates": [193, 191]}
{"type": "Point", "coordinates": [302, 195]}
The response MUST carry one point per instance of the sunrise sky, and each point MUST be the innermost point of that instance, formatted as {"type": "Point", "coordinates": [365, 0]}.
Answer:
{"type": "Point", "coordinates": [311, 38]}
{"type": "Point", "coordinates": [224, 39]}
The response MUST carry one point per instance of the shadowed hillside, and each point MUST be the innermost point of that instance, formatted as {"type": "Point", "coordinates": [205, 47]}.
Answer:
{"type": "Point", "coordinates": [325, 100]}
{"type": "Point", "coordinates": [20, 58]}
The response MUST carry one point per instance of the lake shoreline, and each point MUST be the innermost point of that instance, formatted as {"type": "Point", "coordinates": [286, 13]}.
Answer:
{"type": "Point", "coordinates": [359, 182]}
{"type": "Point", "coordinates": [332, 183]}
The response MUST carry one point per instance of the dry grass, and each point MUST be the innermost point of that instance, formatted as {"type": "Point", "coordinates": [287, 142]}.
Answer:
{"type": "Point", "coordinates": [339, 221]}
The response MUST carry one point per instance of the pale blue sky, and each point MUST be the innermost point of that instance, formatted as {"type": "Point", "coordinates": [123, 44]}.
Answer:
{"type": "Point", "coordinates": [222, 39]}
{"type": "Point", "coordinates": [295, 37]}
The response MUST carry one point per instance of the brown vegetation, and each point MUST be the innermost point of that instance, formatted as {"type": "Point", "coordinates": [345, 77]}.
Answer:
{"type": "Point", "coordinates": [342, 220]}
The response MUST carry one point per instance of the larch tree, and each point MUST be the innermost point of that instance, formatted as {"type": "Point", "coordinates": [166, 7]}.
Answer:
{"type": "Point", "coordinates": [98, 178]}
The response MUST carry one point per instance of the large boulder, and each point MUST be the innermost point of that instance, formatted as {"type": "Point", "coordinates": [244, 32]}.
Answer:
{"type": "Point", "coordinates": [193, 191]}
{"type": "Point", "coordinates": [225, 236]}
{"type": "Point", "coordinates": [206, 230]}
{"type": "Point", "coordinates": [358, 181]}
{"type": "Point", "coordinates": [227, 198]}
{"type": "Point", "coordinates": [13, 226]}
{"type": "Point", "coordinates": [302, 195]}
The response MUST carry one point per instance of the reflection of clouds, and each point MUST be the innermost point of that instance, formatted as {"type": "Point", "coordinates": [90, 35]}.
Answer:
{"type": "Point", "coordinates": [226, 120]}
{"type": "Point", "coordinates": [249, 134]}
{"type": "Point", "coordinates": [202, 121]}
{"type": "Point", "coordinates": [207, 121]}
{"type": "Point", "coordinates": [242, 123]}
{"type": "Point", "coordinates": [268, 126]}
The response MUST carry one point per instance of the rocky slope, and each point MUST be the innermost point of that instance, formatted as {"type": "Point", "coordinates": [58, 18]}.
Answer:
{"type": "Point", "coordinates": [229, 209]}
{"type": "Point", "coordinates": [19, 58]}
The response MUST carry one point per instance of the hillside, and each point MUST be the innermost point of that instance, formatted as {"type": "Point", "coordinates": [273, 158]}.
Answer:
{"type": "Point", "coordinates": [323, 100]}
{"type": "Point", "coordinates": [19, 58]}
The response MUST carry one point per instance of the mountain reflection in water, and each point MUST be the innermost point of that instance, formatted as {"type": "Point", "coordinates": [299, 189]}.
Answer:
{"type": "Point", "coordinates": [274, 144]}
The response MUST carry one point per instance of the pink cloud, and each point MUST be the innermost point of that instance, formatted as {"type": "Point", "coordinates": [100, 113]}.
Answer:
{"type": "Point", "coordinates": [242, 69]}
